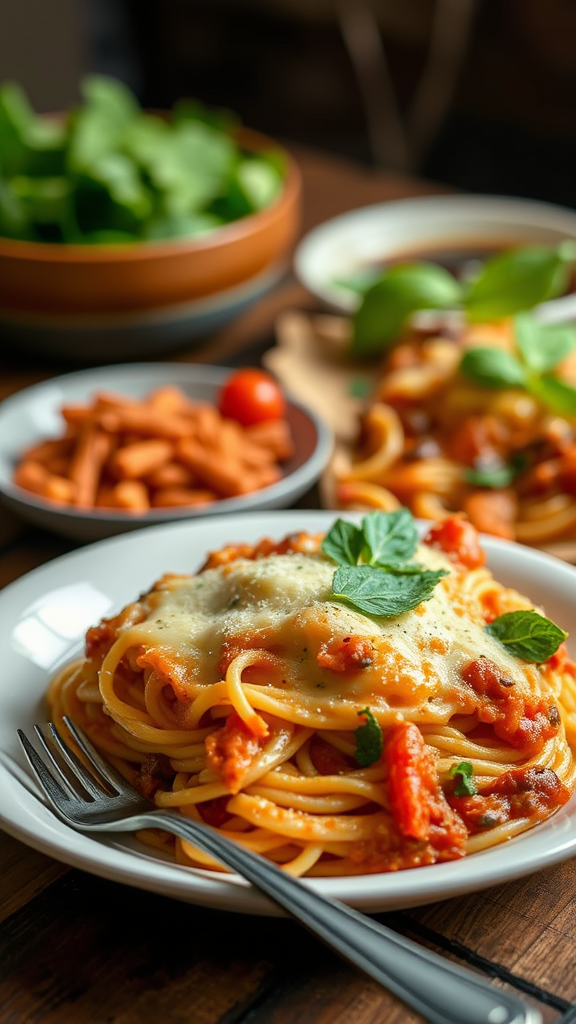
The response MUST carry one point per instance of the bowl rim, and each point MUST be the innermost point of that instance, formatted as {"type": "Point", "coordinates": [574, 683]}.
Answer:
{"type": "Point", "coordinates": [235, 231]}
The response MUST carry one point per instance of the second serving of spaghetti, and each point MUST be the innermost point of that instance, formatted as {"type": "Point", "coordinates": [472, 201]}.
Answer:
{"type": "Point", "coordinates": [343, 704]}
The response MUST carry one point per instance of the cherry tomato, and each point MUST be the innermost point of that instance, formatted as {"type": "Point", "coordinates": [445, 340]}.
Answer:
{"type": "Point", "coordinates": [251, 396]}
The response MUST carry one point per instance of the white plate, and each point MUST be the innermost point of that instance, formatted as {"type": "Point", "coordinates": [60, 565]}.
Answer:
{"type": "Point", "coordinates": [341, 247]}
{"type": "Point", "coordinates": [43, 617]}
{"type": "Point", "coordinates": [33, 414]}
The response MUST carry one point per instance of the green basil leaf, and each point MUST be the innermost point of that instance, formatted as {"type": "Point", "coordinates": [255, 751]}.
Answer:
{"type": "Point", "coordinates": [15, 221]}
{"type": "Point", "coordinates": [498, 477]}
{"type": "Point", "coordinates": [402, 289]}
{"type": "Point", "coordinates": [260, 182]}
{"type": "Point", "coordinates": [543, 346]}
{"type": "Point", "coordinates": [45, 200]}
{"type": "Point", "coordinates": [514, 280]}
{"type": "Point", "coordinates": [402, 568]}
{"type": "Point", "coordinates": [492, 368]}
{"type": "Point", "coordinates": [465, 772]}
{"type": "Point", "coordinates": [192, 167]}
{"type": "Point", "coordinates": [374, 592]}
{"type": "Point", "coordinates": [111, 96]}
{"type": "Point", "coordinates": [98, 127]}
{"type": "Point", "coordinates": [185, 225]}
{"type": "Point", "coordinates": [144, 137]}
{"type": "Point", "coordinates": [527, 634]}
{"type": "Point", "coordinates": [16, 118]}
{"type": "Point", "coordinates": [120, 177]}
{"type": "Point", "coordinates": [390, 537]}
{"type": "Point", "coordinates": [369, 741]}
{"type": "Point", "coordinates": [343, 543]}
{"type": "Point", "coordinates": [557, 394]}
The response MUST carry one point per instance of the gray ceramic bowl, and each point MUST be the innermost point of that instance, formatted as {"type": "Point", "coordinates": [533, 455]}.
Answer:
{"type": "Point", "coordinates": [33, 415]}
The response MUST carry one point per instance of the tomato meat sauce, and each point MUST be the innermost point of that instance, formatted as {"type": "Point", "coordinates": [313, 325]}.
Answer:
{"type": "Point", "coordinates": [350, 654]}
{"type": "Point", "coordinates": [458, 539]}
{"type": "Point", "coordinates": [531, 793]}
{"type": "Point", "coordinates": [231, 750]}
{"type": "Point", "coordinates": [302, 543]}
{"type": "Point", "coordinates": [524, 723]}
{"type": "Point", "coordinates": [424, 829]}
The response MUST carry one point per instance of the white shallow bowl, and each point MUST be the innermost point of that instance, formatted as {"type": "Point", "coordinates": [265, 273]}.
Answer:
{"type": "Point", "coordinates": [32, 415]}
{"type": "Point", "coordinates": [43, 618]}
{"type": "Point", "coordinates": [411, 228]}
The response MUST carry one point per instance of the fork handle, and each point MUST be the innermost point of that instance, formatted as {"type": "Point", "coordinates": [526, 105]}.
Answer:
{"type": "Point", "coordinates": [441, 992]}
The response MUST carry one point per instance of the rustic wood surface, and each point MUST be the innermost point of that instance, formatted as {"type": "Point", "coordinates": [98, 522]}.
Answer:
{"type": "Point", "coordinates": [76, 948]}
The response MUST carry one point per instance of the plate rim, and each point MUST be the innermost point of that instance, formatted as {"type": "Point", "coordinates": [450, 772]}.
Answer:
{"type": "Point", "coordinates": [541, 847]}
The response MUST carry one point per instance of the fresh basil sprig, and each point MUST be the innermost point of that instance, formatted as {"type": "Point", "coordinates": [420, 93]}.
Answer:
{"type": "Point", "coordinates": [465, 772]}
{"type": "Point", "coordinates": [527, 634]}
{"type": "Point", "coordinates": [369, 741]}
{"type": "Point", "coordinates": [383, 539]}
{"type": "Point", "coordinates": [375, 574]}
{"type": "Point", "coordinates": [385, 594]}
{"type": "Point", "coordinates": [509, 282]}
{"type": "Point", "coordinates": [541, 347]}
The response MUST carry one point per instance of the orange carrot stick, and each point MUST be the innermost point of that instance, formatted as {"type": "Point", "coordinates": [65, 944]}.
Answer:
{"type": "Point", "coordinates": [136, 460]}
{"type": "Point", "coordinates": [130, 495]}
{"type": "Point", "coordinates": [227, 479]}
{"type": "Point", "coordinates": [93, 449]}
{"type": "Point", "coordinates": [145, 421]}
{"type": "Point", "coordinates": [45, 451]}
{"type": "Point", "coordinates": [275, 436]}
{"type": "Point", "coordinates": [171, 474]}
{"type": "Point", "coordinates": [34, 477]}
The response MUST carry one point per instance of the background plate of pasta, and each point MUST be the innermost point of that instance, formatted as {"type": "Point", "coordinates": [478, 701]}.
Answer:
{"type": "Point", "coordinates": [383, 706]}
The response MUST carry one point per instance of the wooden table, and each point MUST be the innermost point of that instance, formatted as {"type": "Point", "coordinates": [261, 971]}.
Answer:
{"type": "Point", "coordinates": [75, 949]}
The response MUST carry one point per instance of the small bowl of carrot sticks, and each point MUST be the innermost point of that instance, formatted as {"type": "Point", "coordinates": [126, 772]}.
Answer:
{"type": "Point", "coordinates": [102, 451]}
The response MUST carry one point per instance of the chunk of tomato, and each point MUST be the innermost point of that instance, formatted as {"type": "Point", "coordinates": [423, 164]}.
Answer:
{"type": "Point", "coordinates": [458, 538]}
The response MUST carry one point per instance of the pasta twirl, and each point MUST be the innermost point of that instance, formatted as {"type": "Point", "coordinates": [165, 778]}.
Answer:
{"type": "Point", "coordinates": [257, 698]}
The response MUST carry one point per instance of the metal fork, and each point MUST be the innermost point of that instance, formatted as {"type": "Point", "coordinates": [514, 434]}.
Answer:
{"type": "Point", "coordinates": [104, 802]}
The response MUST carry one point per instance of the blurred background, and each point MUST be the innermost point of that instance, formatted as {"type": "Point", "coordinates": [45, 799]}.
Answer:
{"type": "Point", "coordinates": [477, 94]}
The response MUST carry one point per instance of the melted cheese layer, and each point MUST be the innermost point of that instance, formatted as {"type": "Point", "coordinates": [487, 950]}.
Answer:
{"type": "Point", "coordinates": [283, 604]}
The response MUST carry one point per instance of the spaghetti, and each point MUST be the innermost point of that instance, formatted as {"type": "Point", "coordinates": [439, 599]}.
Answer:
{"type": "Point", "coordinates": [253, 697]}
